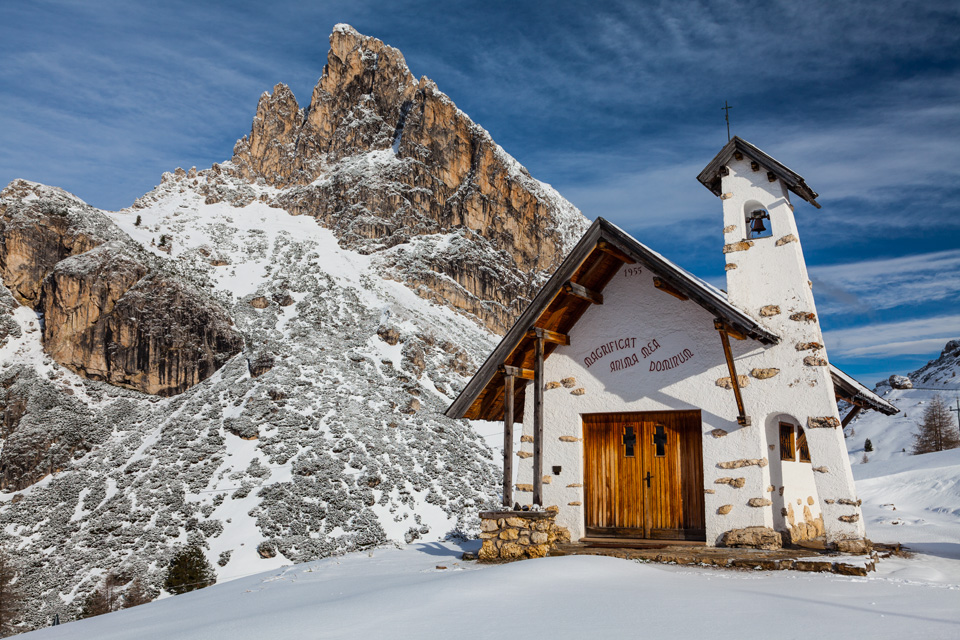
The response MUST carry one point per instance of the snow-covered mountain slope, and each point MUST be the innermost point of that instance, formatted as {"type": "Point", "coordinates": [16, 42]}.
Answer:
{"type": "Point", "coordinates": [892, 436]}
{"type": "Point", "coordinates": [337, 444]}
{"type": "Point", "coordinates": [914, 501]}
{"type": "Point", "coordinates": [910, 499]}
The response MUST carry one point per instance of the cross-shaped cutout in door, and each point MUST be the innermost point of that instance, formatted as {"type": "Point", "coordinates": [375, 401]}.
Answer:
{"type": "Point", "coordinates": [629, 441]}
{"type": "Point", "coordinates": [660, 439]}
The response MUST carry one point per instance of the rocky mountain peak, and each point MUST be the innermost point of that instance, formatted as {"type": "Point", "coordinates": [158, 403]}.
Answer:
{"type": "Point", "coordinates": [391, 164]}
{"type": "Point", "coordinates": [272, 137]}
{"type": "Point", "coordinates": [358, 105]}
{"type": "Point", "coordinates": [296, 387]}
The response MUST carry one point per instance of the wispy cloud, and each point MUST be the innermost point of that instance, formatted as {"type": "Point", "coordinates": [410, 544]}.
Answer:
{"type": "Point", "coordinates": [883, 340]}
{"type": "Point", "coordinates": [872, 285]}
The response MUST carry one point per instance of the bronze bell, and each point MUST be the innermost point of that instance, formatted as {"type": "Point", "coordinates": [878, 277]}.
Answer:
{"type": "Point", "coordinates": [756, 221]}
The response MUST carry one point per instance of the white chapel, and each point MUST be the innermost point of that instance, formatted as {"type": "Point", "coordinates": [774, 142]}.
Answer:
{"type": "Point", "coordinates": [652, 405]}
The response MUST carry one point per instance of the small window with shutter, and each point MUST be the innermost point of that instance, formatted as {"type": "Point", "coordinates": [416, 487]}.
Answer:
{"type": "Point", "coordinates": [802, 447]}
{"type": "Point", "coordinates": [787, 449]}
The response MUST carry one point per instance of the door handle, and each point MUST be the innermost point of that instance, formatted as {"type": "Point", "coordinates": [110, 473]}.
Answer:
{"type": "Point", "coordinates": [648, 479]}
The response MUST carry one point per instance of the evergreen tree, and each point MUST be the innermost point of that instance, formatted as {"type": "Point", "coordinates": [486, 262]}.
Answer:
{"type": "Point", "coordinates": [867, 445]}
{"type": "Point", "coordinates": [11, 598]}
{"type": "Point", "coordinates": [189, 570]}
{"type": "Point", "coordinates": [937, 431]}
{"type": "Point", "coordinates": [139, 220]}
{"type": "Point", "coordinates": [137, 594]}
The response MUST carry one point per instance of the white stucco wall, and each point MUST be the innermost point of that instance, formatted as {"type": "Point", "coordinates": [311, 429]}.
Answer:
{"type": "Point", "coordinates": [634, 309]}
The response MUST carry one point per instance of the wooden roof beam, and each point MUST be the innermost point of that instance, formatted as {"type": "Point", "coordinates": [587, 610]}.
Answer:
{"type": "Point", "coordinates": [580, 291]}
{"type": "Point", "coordinates": [721, 325]}
{"type": "Point", "coordinates": [517, 372]}
{"type": "Point", "coordinates": [488, 402]}
{"type": "Point", "coordinates": [666, 287]}
{"type": "Point", "coordinates": [850, 416]}
{"type": "Point", "coordinates": [549, 336]}
{"type": "Point", "coordinates": [613, 251]}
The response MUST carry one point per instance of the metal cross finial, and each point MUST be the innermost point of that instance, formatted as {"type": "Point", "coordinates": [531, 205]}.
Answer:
{"type": "Point", "coordinates": [726, 109]}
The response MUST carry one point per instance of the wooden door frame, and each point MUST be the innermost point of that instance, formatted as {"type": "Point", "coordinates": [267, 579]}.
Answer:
{"type": "Point", "coordinates": [690, 476]}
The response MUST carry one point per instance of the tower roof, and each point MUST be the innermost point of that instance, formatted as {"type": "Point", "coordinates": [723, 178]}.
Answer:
{"type": "Point", "coordinates": [710, 176]}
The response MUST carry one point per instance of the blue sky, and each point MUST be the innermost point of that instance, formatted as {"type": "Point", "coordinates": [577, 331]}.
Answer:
{"type": "Point", "coordinates": [617, 104]}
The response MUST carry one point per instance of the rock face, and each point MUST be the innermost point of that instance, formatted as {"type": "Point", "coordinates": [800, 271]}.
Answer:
{"type": "Point", "coordinates": [43, 427]}
{"type": "Point", "coordinates": [39, 227]}
{"type": "Point", "coordinates": [132, 330]}
{"type": "Point", "coordinates": [900, 382]}
{"type": "Point", "coordinates": [381, 158]}
{"type": "Point", "coordinates": [109, 314]}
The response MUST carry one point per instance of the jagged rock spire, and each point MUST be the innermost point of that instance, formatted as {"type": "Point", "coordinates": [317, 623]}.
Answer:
{"type": "Point", "coordinates": [382, 157]}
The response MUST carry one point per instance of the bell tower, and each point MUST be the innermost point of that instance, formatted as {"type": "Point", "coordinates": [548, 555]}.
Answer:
{"type": "Point", "coordinates": [767, 279]}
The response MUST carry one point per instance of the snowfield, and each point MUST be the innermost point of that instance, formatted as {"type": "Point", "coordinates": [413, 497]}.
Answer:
{"type": "Point", "coordinates": [403, 593]}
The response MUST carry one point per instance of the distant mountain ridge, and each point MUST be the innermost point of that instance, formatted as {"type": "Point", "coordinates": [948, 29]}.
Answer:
{"type": "Point", "coordinates": [891, 437]}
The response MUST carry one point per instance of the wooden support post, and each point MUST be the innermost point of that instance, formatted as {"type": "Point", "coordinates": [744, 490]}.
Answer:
{"type": "Point", "coordinates": [538, 424]}
{"type": "Point", "coordinates": [721, 326]}
{"type": "Point", "coordinates": [508, 441]}
{"type": "Point", "coordinates": [850, 416]}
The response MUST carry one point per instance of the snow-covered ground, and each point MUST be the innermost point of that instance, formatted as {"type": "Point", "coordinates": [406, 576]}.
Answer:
{"type": "Point", "coordinates": [404, 593]}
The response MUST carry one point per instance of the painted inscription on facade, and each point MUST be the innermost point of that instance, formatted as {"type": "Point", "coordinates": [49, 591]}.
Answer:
{"type": "Point", "coordinates": [609, 348]}
{"type": "Point", "coordinates": [670, 363]}
{"type": "Point", "coordinates": [652, 346]}
{"type": "Point", "coordinates": [623, 361]}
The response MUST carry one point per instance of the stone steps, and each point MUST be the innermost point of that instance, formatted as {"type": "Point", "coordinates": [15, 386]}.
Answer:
{"type": "Point", "coordinates": [727, 558]}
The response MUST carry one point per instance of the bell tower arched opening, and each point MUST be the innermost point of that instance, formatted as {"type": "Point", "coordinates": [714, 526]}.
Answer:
{"type": "Point", "coordinates": [756, 220]}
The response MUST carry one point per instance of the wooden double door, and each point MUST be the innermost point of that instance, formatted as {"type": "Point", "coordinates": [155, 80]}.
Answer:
{"type": "Point", "coordinates": [643, 475]}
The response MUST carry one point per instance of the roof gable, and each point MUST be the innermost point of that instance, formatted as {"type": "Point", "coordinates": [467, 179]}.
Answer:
{"type": "Point", "coordinates": [711, 174]}
{"type": "Point", "coordinates": [589, 267]}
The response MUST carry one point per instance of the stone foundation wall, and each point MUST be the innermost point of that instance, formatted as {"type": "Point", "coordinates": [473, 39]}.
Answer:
{"type": "Point", "coordinates": [809, 528]}
{"type": "Point", "coordinates": [515, 535]}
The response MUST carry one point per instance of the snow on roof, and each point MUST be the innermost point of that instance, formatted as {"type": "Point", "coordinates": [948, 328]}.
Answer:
{"type": "Point", "coordinates": [863, 393]}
